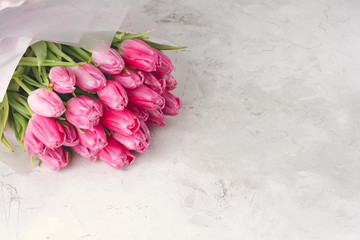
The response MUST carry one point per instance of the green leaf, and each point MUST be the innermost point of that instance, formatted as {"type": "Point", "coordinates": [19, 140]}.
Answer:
{"type": "Point", "coordinates": [4, 114]}
{"type": "Point", "coordinates": [80, 52]}
{"type": "Point", "coordinates": [13, 86]}
{"type": "Point", "coordinates": [24, 86]}
{"type": "Point", "coordinates": [5, 110]}
{"type": "Point", "coordinates": [27, 70]}
{"type": "Point", "coordinates": [51, 56]}
{"type": "Point", "coordinates": [40, 50]}
{"type": "Point", "coordinates": [57, 51]}
{"type": "Point", "coordinates": [159, 46]}
{"type": "Point", "coordinates": [123, 36]}
{"type": "Point", "coordinates": [126, 70]}
{"type": "Point", "coordinates": [6, 143]}
{"type": "Point", "coordinates": [12, 124]}
{"type": "Point", "coordinates": [32, 82]}
{"type": "Point", "coordinates": [19, 71]}
{"type": "Point", "coordinates": [19, 103]}
{"type": "Point", "coordinates": [74, 54]}
{"type": "Point", "coordinates": [37, 75]}
{"type": "Point", "coordinates": [21, 125]}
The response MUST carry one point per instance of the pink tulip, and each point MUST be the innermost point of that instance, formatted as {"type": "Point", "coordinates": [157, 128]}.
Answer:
{"type": "Point", "coordinates": [130, 80]}
{"type": "Point", "coordinates": [63, 79]}
{"type": "Point", "coordinates": [55, 158]}
{"type": "Point", "coordinates": [93, 139]}
{"type": "Point", "coordinates": [47, 130]}
{"type": "Point", "coordinates": [172, 104]}
{"type": "Point", "coordinates": [113, 95]}
{"type": "Point", "coordinates": [170, 81]}
{"type": "Point", "coordinates": [144, 97]}
{"type": "Point", "coordinates": [139, 141]}
{"type": "Point", "coordinates": [83, 112]}
{"type": "Point", "coordinates": [33, 146]}
{"type": "Point", "coordinates": [141, 114]}
{"type": "Point", "coordinates": [89, 78]}
{"type": "Point", "coordinates": [154, 83]}
{"type": "Point", "coordinates": [109, 62]}
{"type": "Point", "coordinates": [46, 103]}
{"type": "Point", "coordinates": [71, 139]}
{"type": "Point", "coordinates": [85, 152]}
{"type": "Point", "coordinates": [156, 118]}
{"type": "Point", "coordinates": [115, 154]}
{"type": "Point", "coordinates": [120, 121]}
{"type": "Point", "coordinates": [138, 54]}
{"type": "Point", "coordinates": [165, 64]}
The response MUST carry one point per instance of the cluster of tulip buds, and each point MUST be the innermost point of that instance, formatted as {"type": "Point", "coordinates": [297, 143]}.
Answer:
{"type": "Point", "coordinates": [67, 100]}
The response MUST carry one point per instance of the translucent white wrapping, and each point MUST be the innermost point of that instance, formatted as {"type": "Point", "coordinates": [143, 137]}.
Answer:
{"type": "Point", "coordinates": [84, 23]}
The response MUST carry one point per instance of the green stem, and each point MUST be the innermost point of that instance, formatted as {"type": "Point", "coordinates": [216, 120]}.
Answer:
{"type": "Point", "coordinates": [119, 36]}
{"type": "Point", "coordinates": [20, 70]}
{"type": "Point", "coordinates": [123, 36]}
{"type": "Point", "coordinates": [115, 45]}
{"type": "Point", "coordinates": [78, 91]}
{"type": "Point", "coordinates": [57, 51]}
{"type": "Point", "coordinates": [81, 52]}
{"type": "Point", "coordinates": [22, 85]}
{"type": "Point", "coordinates": [24, 102]}
{"type": "Point", "coordinates": [126, 70]}
{"type": "Point", "coordinates": [88, 50]}
{"type": "Point", "coordinates": [48, 64]}
{"type": "Point", "coordinates": [69, 51]}
{"type": "Point", "coordinates": [45, 77]}
{"type": "Point", "coordinates": [37, 75]}
{"type": "Point", "coordinates": [19, 103]}
{"type": "Point", "coordinates": [51, 56]}
{"type": "Point", "coordinates": [31, 81]}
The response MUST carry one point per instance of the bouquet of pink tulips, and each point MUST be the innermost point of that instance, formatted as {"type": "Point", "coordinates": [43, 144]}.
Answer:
{"type": "Point", "coordinates": [65, 100]}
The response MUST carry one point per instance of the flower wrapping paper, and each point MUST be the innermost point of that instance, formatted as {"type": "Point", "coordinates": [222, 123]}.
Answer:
{"type": "Point", "coordinates": [89, 24]}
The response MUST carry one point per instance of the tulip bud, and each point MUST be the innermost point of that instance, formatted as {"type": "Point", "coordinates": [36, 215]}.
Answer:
{"type": "Point", "coordinates": [154, 83]}
{"type": "Point", "coordinates": [141, 114]}
{"type": "Point", "coordinates": [33, 146]}
{"type": "Point", "coordinates": [130, 80]}
{"type": "Point", "coordinates": [170, 81]}
{"type": "Point", "coordinates": [115, 154]}
{"type": "Point", "coordinates": [89, 78]}
{"type": "Point", "coordinates": [113, 95]}
{"type": "Point", "coordinates": [83, 112]}
{"type": "Point", "coordinates": [63, 79]}
{"type": "Point", "coordinates": [93, 139]}
{"type": "Point", "coordinates": [144, 97]}
{"type": "Point", "coordinates": [139, 141]}
{"type": "Point", "coordinates": [85, 152]}
{"type": "Point", "coordinates": [46, 103]}
{"type": "Point", "coordinates": [109, 62]}
{"type": "Point", "coordinates": [138, 54]}
{"type": "Point", "coordinates": [120, 121]}
{"type": "Point", "coordinates": [156, 118]}
{"type": "Point", "coordinates": [71, 139]}
{"type": "Point", "coordinates": [55, 158]}
{"type": "Point", "coordinates": [172, 104]}
{"type": "Point", "coordinates": [164, 62]}
{"type": "Point", "coordinates": [46, 130]}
